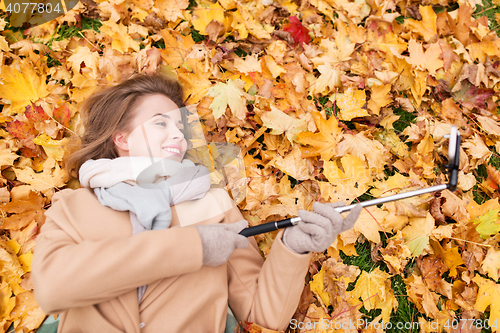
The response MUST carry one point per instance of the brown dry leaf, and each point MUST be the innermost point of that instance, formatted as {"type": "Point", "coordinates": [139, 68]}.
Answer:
{"type": "Point", "coordinates": [454, 207]}
{"type": "Point", "coordinates": [491, 126]}
{"type": "Point", "coordinates": [491, 263]}
{"type": "Point", "coordinates": [420, 294]}
{"type": "Point", "coordinates": [52, 176]}
{"type": "Point", "coordinates": [24, 212]}
{"type": "Point", "coordinates": [432, 268]}
{"type": "Point", "coordinates": [477, 151]}
{"type": "Point", "coordinates": [396, 254]}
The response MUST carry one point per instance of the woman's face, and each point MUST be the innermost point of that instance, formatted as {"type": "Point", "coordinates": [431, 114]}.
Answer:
{"type": "Point", "coordinates": [157, 131]}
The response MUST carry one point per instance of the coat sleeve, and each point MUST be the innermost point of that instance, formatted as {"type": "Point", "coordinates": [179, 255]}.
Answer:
{"type": "Point", "coordinates": [70, 272]}
{"type": "Point", "coordinates": [266, 293]}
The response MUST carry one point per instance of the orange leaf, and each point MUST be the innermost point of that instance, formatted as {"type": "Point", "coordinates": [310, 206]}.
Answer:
{"type": "Point", "coordinates": [324, 142]}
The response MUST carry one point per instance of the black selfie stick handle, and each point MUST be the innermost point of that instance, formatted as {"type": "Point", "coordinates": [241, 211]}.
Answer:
{"type": "Point", "coordinates": [268, 227]}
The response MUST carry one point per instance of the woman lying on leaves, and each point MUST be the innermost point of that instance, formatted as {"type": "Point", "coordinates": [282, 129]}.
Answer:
{"type": "Point", "coordinates": [163, 254]}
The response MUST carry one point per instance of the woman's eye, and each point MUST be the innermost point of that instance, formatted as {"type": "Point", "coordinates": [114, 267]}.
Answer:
{"type": "Point", "coordinates": [161, 123]}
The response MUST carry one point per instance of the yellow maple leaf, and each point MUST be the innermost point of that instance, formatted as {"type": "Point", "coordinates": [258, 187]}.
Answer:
{"type": "Point", "coordinates": [491, 126]}
{"type": "Point", "coordinates": [334, 51]}
{"type": "Point", "coordinates": [350, 104]}
{"type": "Point", "coordinates": [374, 290]}
{"type": "Point", "coordinates": [327, 81]}
{"type": "Point", "coordinates": [483, 49]}
{"type": "Point", "coordinates": [51, 177]}
{"type": "Point", "coordinates": [390, 139]}
{"type": "Point", "coordinates": [369, 223]}
{"type": "Point", "coordinates": [21, 85]}
{"type": "Point", "coordinates": [82, 54]}
{"type": "Point", "coordinates": [229, 94]}
{"type": "Point", "coordinates": [370, 151]}
{"type": "Point", "coordinates": [10, 269]}
{"type": "Point", "coordinates": [380, 97]}
{"type": "Point", "coordinates": [324, 142]}
{"type": "Point", "coordinates": [251, 63]}
{"type": "Point", "coordinates": [418, 87]}
{"type": "Point", "coordinates": [430, 59]}
{"type": "Point", "coordinates": [7, 157]}
{"type": "Point", "coordinates": [7, 302]}
{"type": "Point", "coordinates": [417, 233]}
{"type": "Point", "coordinates": [245, 23]}
{"type": "Point", "coordinates": [475, 210]}
{"type": "Point", "coordinates": [392, 185]}
{"type": "Point", "coordinates": [171, 10]}
{"type": "Point", "coordinates": [53, 148]}
{"type": "Point", "coordinates": [260, 191]}
{"type": "Point", "coordinates": [280, 123]}
{"type": "Point", "coordinates": [122, 41]}
{"type": "Point", "coordinates": [292, 164]}
{"type": "Point", "coordinates": [427, 27]}
{"type": "Point", "coordinates": [387, 42]}
{"type": "Point", "coordinates": [203, 16]}
{"type": "Point", "coordinates": [318, 287]}
{"type": "Point", "coordinates": [177, 46]}
{"type": "Point", "coordinates": [452, 259]}
{"type": "Point", "coordinates": [195, 81]}
{"type": "Point", "coordinates": [349, 182]}
{"type": "Point", "coordinates": [488, 295]}
{"type": "Point", "coordinates": [426, 146]}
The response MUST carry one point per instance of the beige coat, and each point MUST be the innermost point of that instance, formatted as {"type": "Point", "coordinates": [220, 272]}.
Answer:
{"type": "Point", "coordinates": [87, 266]}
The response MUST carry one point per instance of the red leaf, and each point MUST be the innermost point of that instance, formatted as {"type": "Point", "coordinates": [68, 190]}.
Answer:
{"type": "Point", "coordinates": [297, 31]}
{"type": "Point", "coordinates": [471, 96]}
{"type": "Point", "coordinates": [20, 130]}
{"type": "Point", "coordinates": [26, 152]}
{"type": "Point", "coordinates": [35, 113]}
{"type": "Point", "coordinates": [62, 114]}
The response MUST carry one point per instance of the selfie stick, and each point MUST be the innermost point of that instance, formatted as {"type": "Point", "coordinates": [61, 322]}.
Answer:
{"type": "Point", "coordinates": [452, 166]}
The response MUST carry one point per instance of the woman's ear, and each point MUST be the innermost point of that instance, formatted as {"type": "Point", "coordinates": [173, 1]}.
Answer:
{"type": "Point", "coordinates": [120, 140]}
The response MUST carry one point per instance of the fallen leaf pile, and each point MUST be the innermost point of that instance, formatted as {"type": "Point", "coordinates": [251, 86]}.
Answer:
{"type": "Point", "coordinates": [329, 100]}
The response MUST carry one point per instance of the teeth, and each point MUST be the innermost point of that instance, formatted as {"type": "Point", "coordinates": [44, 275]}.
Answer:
{"type": "Point", "coordinates": [174, 150]}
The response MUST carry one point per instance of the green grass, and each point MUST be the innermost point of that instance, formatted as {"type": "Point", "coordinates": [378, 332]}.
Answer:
{"type": "Point", "coordinates": [407, 311]}
{"type": "Point", "coordinates": [363, 260]}
{"type": "Point", "coordinates": [489, 9]}
{"type": "Point", "coordinates": [405, 120]}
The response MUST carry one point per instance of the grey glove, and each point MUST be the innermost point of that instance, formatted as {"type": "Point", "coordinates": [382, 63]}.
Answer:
{"type": "Point", "coordinates": [318, 229]}
{"type": "Point", "coordinates": [220, 240]}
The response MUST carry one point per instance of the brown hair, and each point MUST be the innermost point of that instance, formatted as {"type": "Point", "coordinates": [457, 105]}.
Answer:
{"type": "Point", "coordinates": [112, 110]}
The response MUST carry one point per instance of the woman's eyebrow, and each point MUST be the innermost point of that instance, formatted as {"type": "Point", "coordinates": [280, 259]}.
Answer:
{"type": "Point", "coordinates": [166, 116]}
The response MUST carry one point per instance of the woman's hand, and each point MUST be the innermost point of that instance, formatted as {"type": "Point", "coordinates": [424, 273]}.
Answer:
{"type": "Point", "coordinates": [220, 240]}
{"type": "Point", "coordinates": [319, 229]}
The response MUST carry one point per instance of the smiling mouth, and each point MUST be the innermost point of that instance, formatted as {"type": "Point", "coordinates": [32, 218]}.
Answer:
{"type": "Point", "coordinates": [173, 150]}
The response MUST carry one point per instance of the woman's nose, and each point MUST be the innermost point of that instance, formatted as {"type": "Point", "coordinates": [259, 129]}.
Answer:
{"type": "Point", "coordinates": [176, 133]}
